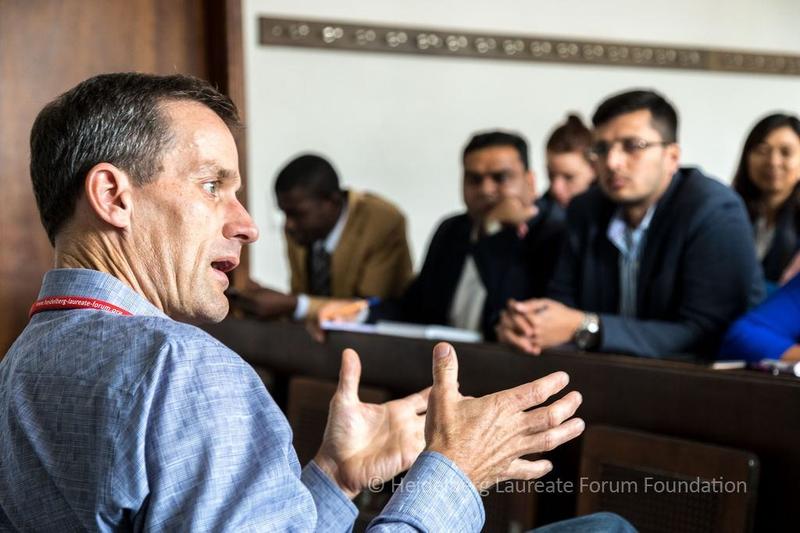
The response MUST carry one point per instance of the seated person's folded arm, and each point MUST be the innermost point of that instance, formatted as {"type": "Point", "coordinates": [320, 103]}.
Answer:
{"type": "Point", "coordinates": [770, 331]}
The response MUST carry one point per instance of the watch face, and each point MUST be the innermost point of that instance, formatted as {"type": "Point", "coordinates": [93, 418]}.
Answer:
{"type": "Point", "coordinates": [586, 336]}
{"type": "Point", "coordinates": [579, 342]}
{"type": "Point", "coordinates": [582, 338]}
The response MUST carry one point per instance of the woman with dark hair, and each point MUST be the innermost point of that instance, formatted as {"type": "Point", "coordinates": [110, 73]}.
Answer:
{"type": "Point", "coordinates": [767, 179]}
{"type": "Point", "coordinates": [568, 165]}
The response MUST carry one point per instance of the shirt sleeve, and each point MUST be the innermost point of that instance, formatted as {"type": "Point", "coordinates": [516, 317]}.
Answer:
{"type": "Point", "coordinates": [301, 309]}
{"type": "Point", "coordinates": [217, 452]}
{"type": "Point", "coordinates": [434, 496]}
{"type": "Point", "coordinates": [335, 511]}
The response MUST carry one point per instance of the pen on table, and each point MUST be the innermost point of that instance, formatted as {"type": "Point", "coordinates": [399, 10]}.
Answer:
{"type": "Point", "coordinates": [778, 367]}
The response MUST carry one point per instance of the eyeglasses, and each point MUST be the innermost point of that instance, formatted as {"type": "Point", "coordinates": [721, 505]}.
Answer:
{"type": "Point", "coordinates": [629, 145]}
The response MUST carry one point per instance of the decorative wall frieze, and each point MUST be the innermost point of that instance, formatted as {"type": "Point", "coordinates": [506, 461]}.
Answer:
{"type": "Point", "coordinates": [339, 35]}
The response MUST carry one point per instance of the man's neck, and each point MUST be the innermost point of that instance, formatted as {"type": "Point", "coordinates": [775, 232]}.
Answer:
{"type": "Point", "coordinates": [95, 252]}
{"type": "Point", "coordinates": [634, 215]}
{"type": "Point", "coordinates": [336, 228]}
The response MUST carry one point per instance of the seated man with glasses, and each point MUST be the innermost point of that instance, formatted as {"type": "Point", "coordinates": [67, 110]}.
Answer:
{"type": "Point", "coordinates": [658, 260]}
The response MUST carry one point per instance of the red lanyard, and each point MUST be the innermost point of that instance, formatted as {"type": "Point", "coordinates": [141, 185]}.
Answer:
{"type": "Point", "coordinates": [54, 303]}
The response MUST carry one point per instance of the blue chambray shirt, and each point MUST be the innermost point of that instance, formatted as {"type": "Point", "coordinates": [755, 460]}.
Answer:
{"type": "Point", "coordinates": [142, 423]}
{"type": "Point", "coordinates": [630, 243]}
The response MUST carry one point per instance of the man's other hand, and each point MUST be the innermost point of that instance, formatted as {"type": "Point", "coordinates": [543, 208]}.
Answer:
{"type": "Point", "coordinates": [488, 436]}
{"type": "Point", "coordinates": [534, 325]}
{"type": "Point", "coordinates": [336, 310]}
{"type": "Point", "coordinates": [512, 211]}
{"type": "Point", "coordinates": [342, 310]}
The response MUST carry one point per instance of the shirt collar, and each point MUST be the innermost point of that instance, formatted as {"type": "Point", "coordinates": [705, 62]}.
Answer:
{"type": "Point", "coordinates": [98, 285]}
{"type": "Point", "coordinates": [332, 240]}
{"type": "Point", "coordinates": [618, 227]}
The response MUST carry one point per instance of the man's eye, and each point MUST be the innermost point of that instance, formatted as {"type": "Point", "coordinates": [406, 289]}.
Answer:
{"type": "Point", "coordinates": [632, 145]}
{"type": "Point", "coordinates": [211, 187]}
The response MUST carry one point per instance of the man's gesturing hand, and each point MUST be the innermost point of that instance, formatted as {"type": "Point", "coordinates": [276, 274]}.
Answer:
{"type": "Point", "coordinates": [486, 437]}
{"type": "Point", "coordinates": [363, 441]}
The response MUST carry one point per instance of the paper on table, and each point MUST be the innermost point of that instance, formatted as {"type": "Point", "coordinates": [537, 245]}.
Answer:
{"type": "Point", "coordinates": [728, 365]}
{"type": "Point", "coordinates": [330, 325]}
{"type": "Point", "coordinates": [403, 329]}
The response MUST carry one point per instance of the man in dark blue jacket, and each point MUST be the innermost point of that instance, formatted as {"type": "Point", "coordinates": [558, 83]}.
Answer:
{"type": "Point", "coordinates": [658, 259]}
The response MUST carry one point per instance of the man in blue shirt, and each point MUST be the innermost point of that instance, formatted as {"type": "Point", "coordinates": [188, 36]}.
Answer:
{"type": "Point", "coordinates": [658, 259]}
{"type": "Point", "coordinates": [115, 414]}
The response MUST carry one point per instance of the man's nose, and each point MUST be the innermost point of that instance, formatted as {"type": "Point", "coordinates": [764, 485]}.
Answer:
{"type": "Point", "coordinates": [240, 225]}
{"type": "Point", "coordinates": [489, 186]}
{"type": "Point", "coordinates": [616, 157]}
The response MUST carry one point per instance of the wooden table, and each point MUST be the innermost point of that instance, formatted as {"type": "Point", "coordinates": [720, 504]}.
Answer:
{"type": "Point", "coordinates": [742, 409]}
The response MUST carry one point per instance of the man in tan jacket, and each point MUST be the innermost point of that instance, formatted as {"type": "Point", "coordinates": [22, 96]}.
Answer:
{"type": "Point", "coordinates": [340, 244]}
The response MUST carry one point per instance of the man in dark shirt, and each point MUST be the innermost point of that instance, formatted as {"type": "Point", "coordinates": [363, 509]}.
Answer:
{"type": "Point", "coordinates": [504, 246]}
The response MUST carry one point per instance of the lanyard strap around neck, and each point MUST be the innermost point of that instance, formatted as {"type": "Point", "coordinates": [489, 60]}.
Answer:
{"type": "Point", "coordinates": [58, 303]}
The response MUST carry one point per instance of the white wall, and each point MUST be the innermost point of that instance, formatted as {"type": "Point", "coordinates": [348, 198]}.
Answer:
{"type": "Point", "coordinates": [396, 124]}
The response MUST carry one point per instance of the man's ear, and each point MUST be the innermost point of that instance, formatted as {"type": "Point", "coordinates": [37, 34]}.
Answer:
{"type": "Point", "coordinates": [531, 177]}
{"type": "Point", "coordinates": [109, 193]}
{"type": "Point", "coordinates": [674, 156]}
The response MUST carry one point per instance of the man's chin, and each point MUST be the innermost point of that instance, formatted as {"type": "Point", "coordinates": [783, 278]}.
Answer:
{"type": "Point", "coordinates": [302, 240]}
{"type": "Point", "coordinates": [623, 198]}
{"type": "Point", "coordinates": [478, 216]}
{"type": "Point", "coordinates": [219, 313]}
{"type": "Point", "coordinates": [207, 314]}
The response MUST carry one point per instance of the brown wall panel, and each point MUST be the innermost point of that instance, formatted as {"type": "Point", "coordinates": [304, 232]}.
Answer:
{"type": "Point", "coordinates": [46, 47]}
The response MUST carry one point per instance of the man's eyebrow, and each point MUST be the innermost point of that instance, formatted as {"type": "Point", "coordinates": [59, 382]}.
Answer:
{"type": "Point", "coordinates": [213, 169]}
{"type": "Point", "coordinates": [500, 170]}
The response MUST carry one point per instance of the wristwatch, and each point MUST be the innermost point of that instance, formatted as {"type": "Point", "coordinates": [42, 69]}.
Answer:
{"type": "Point", "coordinates": [587, 336]}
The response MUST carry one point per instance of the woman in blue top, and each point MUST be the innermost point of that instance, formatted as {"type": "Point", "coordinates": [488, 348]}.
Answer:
{"type": "Point", "coordinates": [767, 179]}
{"type": "Point", "coordinates": [770, 331]}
